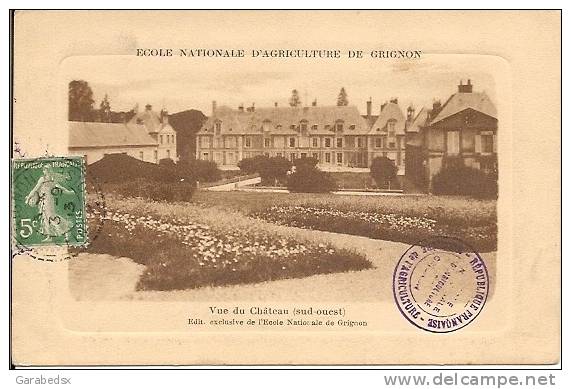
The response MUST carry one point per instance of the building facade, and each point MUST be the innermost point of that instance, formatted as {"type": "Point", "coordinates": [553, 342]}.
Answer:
{"type": "Point", "coordinates": [337, 136]}
{"type": "Point", "coordinates": [147, 137]}
{"type": "Point", "coordinates": [462, 131]}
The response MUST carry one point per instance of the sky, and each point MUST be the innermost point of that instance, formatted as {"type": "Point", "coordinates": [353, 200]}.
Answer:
{"type": "Point", "coordinates": [178, 84]}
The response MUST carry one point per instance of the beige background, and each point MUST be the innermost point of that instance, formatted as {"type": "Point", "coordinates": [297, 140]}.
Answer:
{"type": "Point", "coordinates": [520, 324]}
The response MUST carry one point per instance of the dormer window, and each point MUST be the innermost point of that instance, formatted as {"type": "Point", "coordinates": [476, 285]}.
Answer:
{"type": "Point", "coordinates": [292, 127]}
{"type": "Point", "coordinates": [314, 127]}
{"type": "Point", "coordinates": [391, 124]}
{"type": "Point", "coordinates": [327, 127]}
{"type": "Point", "coordinates": [352, 127]}
{"type": "Point", "coordinates": [266, 125]}
{"type": "Point", "coordinates": [218, 127]}
{"type": "Point", "coordinates": [303, 125]}
{"type": "Point", "coordinates": [339, 126]}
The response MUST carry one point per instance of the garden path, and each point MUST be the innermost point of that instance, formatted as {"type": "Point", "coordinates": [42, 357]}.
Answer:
{"type": "Point", "coordinates": [102, 277]}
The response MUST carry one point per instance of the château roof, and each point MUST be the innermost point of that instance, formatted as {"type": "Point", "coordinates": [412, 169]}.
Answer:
{"type": "Point", "coordinates": [286, 120]}
{"type": "Point", "coordinates": [458, 102]}
{"type": "Point", "coordinates": [390, 111]}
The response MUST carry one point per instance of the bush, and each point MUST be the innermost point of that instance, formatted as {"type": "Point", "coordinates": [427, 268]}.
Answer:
{"type": "Point", "coordinates": [174, 191]}
{"type": "Point", "coordinates": [309, 179]}
{"type": "Point", "coordinates": [466, 181]}
{"type": "Point", "coordinates": [270, 169]}
{"type": "Point", "coordinates": [198, 170]}
{"type": "Point", "coordinates": [383, 170]}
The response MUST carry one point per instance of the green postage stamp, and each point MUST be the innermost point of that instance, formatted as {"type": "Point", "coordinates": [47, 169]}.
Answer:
{"type": "Point", "coordinates": [48, 201]}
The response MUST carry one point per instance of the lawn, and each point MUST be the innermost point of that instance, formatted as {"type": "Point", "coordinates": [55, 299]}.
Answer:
{"type": "Point", "coordinates": [405, 219]}
{"type": "Point", "coordinates": [186, 246]}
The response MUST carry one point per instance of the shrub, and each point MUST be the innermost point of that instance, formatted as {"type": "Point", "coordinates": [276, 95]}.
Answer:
{"type": "Point", "coordinates": [383, 170]}
{"type": "Point", "coordinates": [173, 191]}
{"type": "Point", "coordinates": [466, 181]}
{"type": "Point", "coordinates": [309, 179]}
{"type": "Point", "coordinates": [198, 170]}
{"type": "Point", "coordinates": [270, 169]}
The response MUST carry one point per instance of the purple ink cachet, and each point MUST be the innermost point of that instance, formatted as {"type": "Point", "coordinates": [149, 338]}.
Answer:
{"type": "Point", "coordinates": [440, 284]}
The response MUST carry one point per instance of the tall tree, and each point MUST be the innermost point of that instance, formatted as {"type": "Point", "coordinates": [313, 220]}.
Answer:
{"type": "Point", "coordinates": [105, 110]}
{"type": "Point", "coordinates": [80, 97]}
{"type": "Point", "coordinates": [342, 98]}
{"type": "Point", "coordinates": [294, 100]}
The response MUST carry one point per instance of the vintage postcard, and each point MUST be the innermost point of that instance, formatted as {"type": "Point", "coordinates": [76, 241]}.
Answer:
{"type": "Point", "coordinates": [286, 187]}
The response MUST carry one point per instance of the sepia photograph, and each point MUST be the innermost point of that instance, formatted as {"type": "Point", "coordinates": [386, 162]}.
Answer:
{"type": "Point", "coordinates": [286, 186]}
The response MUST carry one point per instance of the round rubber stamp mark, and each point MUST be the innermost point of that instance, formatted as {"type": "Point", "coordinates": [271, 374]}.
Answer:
{"type": "Point", "coordinates": [440, 284]}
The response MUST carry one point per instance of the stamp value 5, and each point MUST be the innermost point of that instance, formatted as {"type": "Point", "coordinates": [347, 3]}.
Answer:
{"type": "Point", "coordinates": [48, 202]}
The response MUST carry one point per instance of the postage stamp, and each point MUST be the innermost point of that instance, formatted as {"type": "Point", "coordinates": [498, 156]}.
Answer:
{"type": "Point", "coordinates": [440, 284]}
{"type": "Point", "coordinates": [48, 202]}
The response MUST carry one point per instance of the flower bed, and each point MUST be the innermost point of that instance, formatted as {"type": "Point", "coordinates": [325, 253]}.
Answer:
{"type": "Point", "coordinates": [182, 250]}
{"type": "Point", "coordinates": [378, 225]}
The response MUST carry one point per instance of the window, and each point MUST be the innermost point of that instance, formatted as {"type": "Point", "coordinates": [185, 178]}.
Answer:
{"type": "Point", "coordinates": [248, 142]}
{"type": "Point", "coordinates": [339, 126]}
{"type": "Point", "coordinates": [156, 155]}
{"type": "Point", "coordinates": [168, 153]}
{"type": "Point", "coordinates": [327, 142]}
{"type": "Point", "coordinates": [205, 156]}
{"type": "Point", "coordinates": [327, 126]}
{"type": "Point", "coordinates": [218, 127]}
{"type": "Point", "coordinates": [339, 142]}
{"type": "Point", "coordinates": [453, 142]}
{"type": "Point", "coordinates": [314, 127]}
{"type": "Point", "coordinates": [161, 139]}
{"type": "Point", "coordinates": [327, 157]}
{"type": "Point", "coordinates": [487, 144]}
{"type": "Point", "coordinates": [392, 145]}
{"type": "Point", "coordinates": [377, 142]}
{"type": "Point", "coordinates": [141, 156]}
{"type": "Point", "coordinates": [292, 142]}
{"type": "Point", "coordinates": [315, 142]}
{"type": "Point", "coordinates": [173, 141]}
{"type": "Point", "coordinates": [292, 127]}
{"type": "Point", "coordinates": [352, 127]}
{"type": "Point", "coordinates": [303, 126]}
{"type": "Point", "coordinates": [391, 126]}
{"type": "Point", "coordinates": [278, 154]}
{"type": "Point", "coordinates": [315, 155]}
{"type": "Point", "coordinates": [359, 142]}
{"type": "Point", "coordinates": [339, 157]}
{"type": "Point", "coordinates": [267, 142]}
{"type": "Point", "coordinates": [292, 157]}
{"type": "Point", "coordinates": [303, 155]}
{"type": "Point", "coordinates": [266, 154]}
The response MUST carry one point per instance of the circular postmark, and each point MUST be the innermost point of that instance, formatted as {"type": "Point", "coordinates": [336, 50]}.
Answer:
{"type": "Point", "coordinates": [440, 284]}
{"type": "Point", "coordinates": [56, 210]}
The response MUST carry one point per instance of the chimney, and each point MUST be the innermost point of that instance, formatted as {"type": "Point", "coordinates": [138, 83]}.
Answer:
{"type": "Point", "coordinates": [314, 103]}
{"type": "Point", "coordinates": [436, 105]}
{"type": "Point", "coordinates": [253, 107]}
{"type": "Point", "coordinates": [410, 112]}
{"type": "Point", "coordinates": [369, 107]}
{"type": "Point", "coordinates": [276, 104]}
{"type": "Point", "coordinates": [213, 107]}
{"type": "Point", "coordinates": [241, 108]}
{"type": "Point", "coordinates": [465, 88]}
{"type": "Point", "coordinates": [383, 106]}
{"type": "Point", "coordinates": [395, 100]}
{"type": "Point", "coordinates": [165, 116]}
{"type": "Point", "coordinates": [148, 107]}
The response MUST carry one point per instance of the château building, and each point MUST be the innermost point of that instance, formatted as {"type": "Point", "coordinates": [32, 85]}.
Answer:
{"type": "Point", "coordinates": [334, 135]}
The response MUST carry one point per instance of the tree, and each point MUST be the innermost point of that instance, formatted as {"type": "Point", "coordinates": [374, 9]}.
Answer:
{"type": "Point", "coordinates": [307, 178]}
{"type": "Point", "coordinates": [80, 98]}
{"type": "Point", "coordinates": [105, 110]}
{"type": "Point", "coordinates": [383, 170]}
{"type": "Point", "coordinates": [342, 98]}
{"type": "Point", "coordinates": [270, 169]}
{"type": "Point", "coordinates": [465, 181]}
{"type": "Point", "coordinates": [294, 100]}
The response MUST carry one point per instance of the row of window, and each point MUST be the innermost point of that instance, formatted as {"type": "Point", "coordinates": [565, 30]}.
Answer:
{"type": "Point", "coordinates": [303, 126]}
{"type": "Point", "coordinates": [484, 142]}
{"type": "Point", "coordinates": [169, 138]}
{"type": "Point", "coordinates": [230, 142]}
{"type": "Point", "coordinates": [155, 155]}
